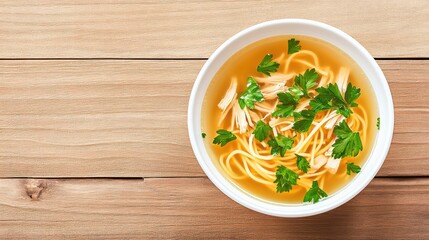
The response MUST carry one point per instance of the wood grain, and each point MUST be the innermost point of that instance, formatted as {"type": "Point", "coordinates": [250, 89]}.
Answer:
{"type": "Point", "coordinates": [194, 209]}
{"type": "Point", "coordinates": [115, 118]}
{"type": "Point", "coordinates": [194, 29]}
{"type": "Point", "coordinates": [125, 118]}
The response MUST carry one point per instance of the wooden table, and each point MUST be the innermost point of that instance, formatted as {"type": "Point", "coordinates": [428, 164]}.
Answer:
{"type": "Point", "coordinates": [93, 137]}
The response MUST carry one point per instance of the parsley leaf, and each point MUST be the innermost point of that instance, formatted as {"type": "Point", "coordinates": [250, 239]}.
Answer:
{"type": "Point", "coordinates": [251, 95]}
{"type": "Point", "coordinates": [280, 144]}
{"type": "Point", "coordinates": [348, 143]}
{"type": "Point", "coordinates": [300, 88]}
{"type": "Point", "coordinates": [302, 163]}
{"type": "Point", "coordinates": [297, 91]}
{"type": "Point", "coordinates": [223, 137]}
{"type": "Point", "coordinates": [287, 98]}
{"type": "Point", "coordinates": [352, 93]}
{"type": "Point", "coordinates": [305, 81]}
{"type": "Point", "coordinates": [330, 98]}
{"type": "Point", "coordinates": [315, 193]}
{"type": "Point", "coordinates": [303, 120]}
{"type": "Point", "coordinates": [285, 178]}
{"type": "Point", "coordinates": [203, 135]}
{"type": "Point", "coordinates": [267, 66]}
{"type": "Point", "coordinates": [288, 105]}
{"type": "Point", "coordinates": [261, 130]}
{"type": "Point", "coordinates": [293, 46]}
{"type": "Point", "coordinates": [378, 123]}
{"type": "Point", "coordinates": [351, 167]}
{"type": "Point", "coordinates": [283, 110]}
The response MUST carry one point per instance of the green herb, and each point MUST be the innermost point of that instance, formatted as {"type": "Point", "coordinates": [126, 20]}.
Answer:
{"type": "Point", "coordinates": [300, 88]}
{"type": "Point", "coordinates": [283, 110]}
{"type": "Point", "coordinates": [280, 144]}
{"type": "Point", "coordinates": [330, 98]}
{"type": "Point", "coordinates": [378, 123]}
{"type": "Point", "coordinates": [348, 143]}
{"type": "Point", "coordinates": [251, 95]}
{"type": "Point", "coordinates": [302, 163]}
{"type": "Point", "coordinates": [203, 135]}
{"type": "Point", "coordinates": [315, 193]}
{"type": "Point", "coordinates": [303, 120]}
{"type": "Point", "coordinates": [261, 130]}
{"type": "Point", "coordinates": [285, 178]}
{"type": "Point", "coordinates": [223, 137]}
{"type": "Point", "coordinates": [351, 167]}
{"type": "Point", "coordinates": [293, 46]}
{"type": "Point", "coordinates": [288, 105]}
{"type": "Point", "coordinates": [287, 98]}
{"type": "Point", "coordinates": [267, 66]}
{"type": "Point", "coordinates": [305, 81]}
{"type": "Point", "coordinates": [297, 91]}
{"type": "Point", "coordinates": [351, 95]}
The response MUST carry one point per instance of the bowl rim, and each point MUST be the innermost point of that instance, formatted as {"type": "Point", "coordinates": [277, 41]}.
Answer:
{"type": "Point", "coordinates": [381, 144]}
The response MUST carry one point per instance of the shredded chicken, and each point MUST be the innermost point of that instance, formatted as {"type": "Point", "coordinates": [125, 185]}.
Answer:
{"type": "Point", "coordinates": [275, 78]}
{"type": "Point", "coordinates": [270, 91]}
{"type": "Point", "coordinates": [254, 116]}
{"type": "Point", "coordinates": [323, 80]}
{"type": "Point", "coordinates": [334, 121]}
{"type": "Point", "coordinates": [332, 165]}
{"type": "Point", "coordinates": [274, 84]}
{"type": "Point", "coordinates": [240, 118]}
{"type": "Point", "coordinates": [248, 117]}
{"type": "Point", "coordinates": [230, 95]}
{"type": "Point", "coordinates": [226, 111]}
{"type": "Point", "coordinates": [342, 79]}
{"type": "Point", "coordinates": [329, 152]}
{"type": "Point", "coordinates": [318, 162]}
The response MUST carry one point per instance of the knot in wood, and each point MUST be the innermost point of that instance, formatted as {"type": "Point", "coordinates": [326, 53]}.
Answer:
{"type": "Point", "coordinates": [35, 187]}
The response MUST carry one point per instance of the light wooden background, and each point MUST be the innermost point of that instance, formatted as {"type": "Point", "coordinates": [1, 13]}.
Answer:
{"type": "Point", "coordinates": [93, 138]}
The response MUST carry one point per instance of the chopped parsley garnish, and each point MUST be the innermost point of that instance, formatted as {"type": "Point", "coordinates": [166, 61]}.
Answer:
{"type": "Point", "coordinates": [378, 123]}
{"type": "Point", "coordinates": [303, 82]}
{"type": "Point", "coordinates": [290, 99]}
{"type": "Point", "coordinates": [351, 167]}
{"type": "Point", "coordinates": [315, 193]}
{"type": "Point", "coordinates": [285, 178]}
{"type": "Point", "coordinates": [251, 95]}
{"type": "Point", "coordinates": [330, 98]}
{"type": "Point", "coordinates": [293, 46]}
{"type": "Point", "coordinates": [348, 143]}
{"type": "Point", "coordinates": [267, 66]}
{"type": "Point", "coordinates": [303, 120]}
{"type": "Point", "coordinates": [223, 137]}
{"type": "Point", "coordinates": [280, 144]}
{"type": "Point", "coordinates": [203, 135]}
{"type": "Point", "coordinates": [261, 130]}
{"type": "Point", "coordinates": [284, 110]}
{"type": "Point", "coordinates": [287, 107]}
{"type": "Point", "coordinates": [351, 95]}
{"type": "Point", "coordinates": [302, 163]}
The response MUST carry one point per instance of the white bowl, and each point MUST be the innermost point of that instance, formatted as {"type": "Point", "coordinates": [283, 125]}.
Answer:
{"type": "Point", "coordinates": [294, 27]}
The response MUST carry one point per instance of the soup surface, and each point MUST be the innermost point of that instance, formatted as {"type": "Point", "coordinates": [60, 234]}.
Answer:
{"type": "Point", "coordinates": [264, 151]}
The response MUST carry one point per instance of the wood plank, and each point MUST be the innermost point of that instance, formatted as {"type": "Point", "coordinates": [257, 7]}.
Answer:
{"type": "Point", "coordinates": [195, 209]}
{"type": "Point", "coordinates": [115, 118]}
{"type": "Point", "coordinates": [182, 29]}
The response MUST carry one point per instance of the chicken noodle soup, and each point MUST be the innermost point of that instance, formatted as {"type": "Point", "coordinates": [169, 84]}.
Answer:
{"type": "Point", "coordinates": [289, 119]}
